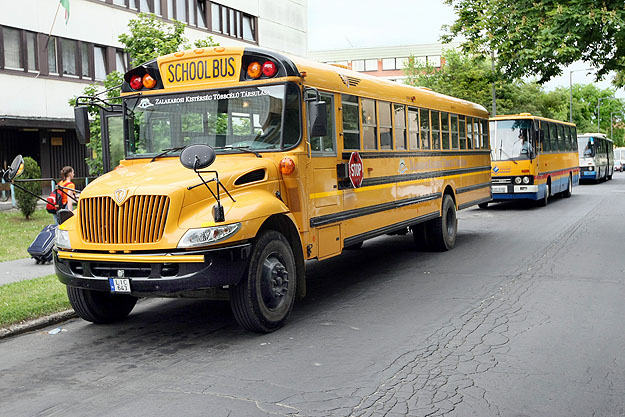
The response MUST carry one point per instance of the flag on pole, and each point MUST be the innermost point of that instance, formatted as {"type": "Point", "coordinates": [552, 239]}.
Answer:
{"type": "Point", "coordinates": [65, 4]}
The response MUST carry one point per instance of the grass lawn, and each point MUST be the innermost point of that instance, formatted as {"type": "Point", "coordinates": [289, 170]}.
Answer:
{"type": "Point", "coordinates": [26, 300]}
{"type": "Point", "coordinates": [17, 233]}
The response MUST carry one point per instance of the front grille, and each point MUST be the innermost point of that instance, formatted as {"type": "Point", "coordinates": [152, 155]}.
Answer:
{"type": "Point", "coordinates": [140, 219]}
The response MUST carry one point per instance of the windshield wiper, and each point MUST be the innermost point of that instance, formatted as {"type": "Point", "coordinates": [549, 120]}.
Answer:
{"type": "Point", "coordinates": [242, 148]}
{"type": "Point", "coordinates": [504, 152]}
{"type": "Point", "coordinates": [166, 151]}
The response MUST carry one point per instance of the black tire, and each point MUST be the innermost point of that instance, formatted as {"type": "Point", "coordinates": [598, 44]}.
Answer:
{"type": "Point", "coordinates": [99, 306]}
{"type": "Point", "coordinates": [483, 205]}
{"type": "Point", "coordinates": [545, 200]}
{"type": "Point", "coordinates": [569, 189]}
{"type": "Point", "coordinates": [355, 246]}
{"type": "Point", "coordinates": [264, 298]}
{"type": "Point", "coordinates": [420, 237]}
{"type": "Point", "coordinates": [441, 232]}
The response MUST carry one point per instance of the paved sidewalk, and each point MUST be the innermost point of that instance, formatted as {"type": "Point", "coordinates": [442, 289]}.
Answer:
{"type": "Point", "coordinates": [23, 269]}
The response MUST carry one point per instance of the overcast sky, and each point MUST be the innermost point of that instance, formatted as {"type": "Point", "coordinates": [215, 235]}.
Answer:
{"type": "Point", "coordinates": [339, 24]}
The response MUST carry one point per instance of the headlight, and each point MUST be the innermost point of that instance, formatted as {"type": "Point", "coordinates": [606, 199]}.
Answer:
{"type": "Point", "coordinates": [526, 180]}
{"type": "Point", "coordinates": [61, 239]}
{"type": "Point", "coordinates": [517, 180]}
{"type": "Point", "coordinates": [591, 168]}
{"type": "Point", "coordinates": [207, 235]}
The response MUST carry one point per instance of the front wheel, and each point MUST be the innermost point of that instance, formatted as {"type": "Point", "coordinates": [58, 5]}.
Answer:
{"type": "Point", "coordinates": [264, 298]}
{"type": "Point", "coordinates": [442, 231]}
{"type": "Point", "coordinates": [99, 306]}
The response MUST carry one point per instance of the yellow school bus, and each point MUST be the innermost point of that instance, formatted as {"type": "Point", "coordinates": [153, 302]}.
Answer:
{"type": "Point", "coordinates": [243, 163]}
{"type": "Point", "coordinates": [532, 157]}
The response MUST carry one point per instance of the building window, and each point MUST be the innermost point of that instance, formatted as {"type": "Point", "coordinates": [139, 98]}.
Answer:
{"type": "Point", "coordinates": [401, 63]}
{"type": "Point", "coordinates": [52, 60]}
{"type": "Point", "coordinates": [421, 61]}
{"type": "Point", "coordinates": [358, 65]}
{"type": "Point", "coordinates": [121, 63]}
{"type": "Point", "coordinates": [84, 60]}
{"type": "Point", "coordinates": [31, 51]}
{"type": "Point", "coordinates": [68, 57]}
{"type": "Point", "coordinates": [232, 22]}
{"type": "Point", "coordinates": [99, 57]}
{"type": "Point", "coordinates": [12, 48]}
{"type": "Point", "coordinates": [371, 64]}
{"type": "Point", "coordinates": [388, 64]}
{"type": "Point", "coordinates": [434, 61]}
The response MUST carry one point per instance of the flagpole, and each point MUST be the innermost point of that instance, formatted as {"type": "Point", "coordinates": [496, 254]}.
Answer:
{"type": "Point", "coordinates": [51, 27]}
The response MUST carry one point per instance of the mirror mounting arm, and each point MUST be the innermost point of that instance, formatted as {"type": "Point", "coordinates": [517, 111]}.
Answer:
{"type": "Point", "coordinates": [218, 210]}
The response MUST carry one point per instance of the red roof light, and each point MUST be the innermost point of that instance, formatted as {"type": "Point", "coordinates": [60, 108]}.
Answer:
{"type": "Point", "coordinates": [269, 69]}
{"type": "Point", "coordinates": [136, 82]}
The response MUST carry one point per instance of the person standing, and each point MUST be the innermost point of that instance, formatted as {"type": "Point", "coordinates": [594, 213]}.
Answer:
{"type": "Point", "coordinates": [67, 193]}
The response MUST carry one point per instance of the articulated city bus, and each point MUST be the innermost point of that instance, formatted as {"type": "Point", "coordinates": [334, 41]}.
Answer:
{"type": "Point", "coordinates": [243, 163]}
{"type": "Point", "coordinates": [532, 158]}
{"type": "Point", "coordinates": [596, 157]}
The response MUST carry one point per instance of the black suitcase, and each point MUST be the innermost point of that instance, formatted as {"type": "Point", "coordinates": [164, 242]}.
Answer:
{"type": "Point", "coordinates": [41, 248]}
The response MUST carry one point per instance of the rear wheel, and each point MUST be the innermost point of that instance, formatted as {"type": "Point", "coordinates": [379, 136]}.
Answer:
{"type": "Point", "coordinates": [263, 300]}
{"type": "Point", "coordinates": [99, 306]}
{"type": "Point", "coordinates": [442, 231]}
{"type": "Point", "coordinates": [569, 189]}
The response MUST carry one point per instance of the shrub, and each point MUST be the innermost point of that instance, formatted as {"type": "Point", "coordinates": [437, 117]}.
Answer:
{"type": "Point", "coordinates": [26, 202]}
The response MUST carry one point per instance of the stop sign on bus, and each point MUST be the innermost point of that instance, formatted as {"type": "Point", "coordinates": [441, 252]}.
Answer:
{"type": "Point", "coordinates": [355, 169]}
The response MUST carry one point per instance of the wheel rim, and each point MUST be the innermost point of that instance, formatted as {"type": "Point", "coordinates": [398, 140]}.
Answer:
{"type": "Point", "coordinates": [274, 281]}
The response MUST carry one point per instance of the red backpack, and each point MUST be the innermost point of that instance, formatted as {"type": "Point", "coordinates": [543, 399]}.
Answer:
{"type": "Point", "coordinates": [55, 199]}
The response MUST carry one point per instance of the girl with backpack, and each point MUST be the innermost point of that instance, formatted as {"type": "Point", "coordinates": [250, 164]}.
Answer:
{"type": "Point", "coordinates": [67, 196]}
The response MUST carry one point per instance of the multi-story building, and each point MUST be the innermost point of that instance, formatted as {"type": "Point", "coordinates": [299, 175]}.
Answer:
{"type": "Point", "coordinates": [45, 61]}
{"type": "Point", "coordinates": [387, 62]}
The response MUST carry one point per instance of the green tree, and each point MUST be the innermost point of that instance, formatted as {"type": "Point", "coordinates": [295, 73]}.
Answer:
{"type": "Point", "coordinates": [27, 202]}
{"type": "Point", "coordinates": [150, 37]}
{"type": "Point", "coordinates": [538, 38]}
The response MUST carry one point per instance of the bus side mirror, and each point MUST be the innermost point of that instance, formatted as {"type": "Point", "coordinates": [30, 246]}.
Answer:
{"type": "Point", "coordinates": [16, 169]}
{"type": "Point", "coordinates": [81, 115]}
{"type": "Point", "coordinates": [317, 116]}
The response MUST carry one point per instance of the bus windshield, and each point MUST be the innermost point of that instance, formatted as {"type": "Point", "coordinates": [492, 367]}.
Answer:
{"type": "Point", "coordinates": [585, 146]}
{"type": "Point", "coordinates": [248, 118]}
{"type": "Point", "coordinates": [511, 139]}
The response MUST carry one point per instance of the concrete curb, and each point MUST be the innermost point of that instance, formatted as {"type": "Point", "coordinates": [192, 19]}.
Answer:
{"type": "Point", "coordinates": [37, 324]}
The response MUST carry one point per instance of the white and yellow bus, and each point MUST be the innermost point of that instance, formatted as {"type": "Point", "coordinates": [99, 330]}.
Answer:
{"type": "Point", "coordinates": [242, 163]}
{"type": "Point", "coordinates": [532, 158]}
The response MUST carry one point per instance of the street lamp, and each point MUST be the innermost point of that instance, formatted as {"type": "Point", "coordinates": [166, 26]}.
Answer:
{"type": "Point", "coordinates": [571, 91]}
{"type": "Point", "coordinates": [612, 122]}
{"type": "Point", "coordinates": [599, 111]}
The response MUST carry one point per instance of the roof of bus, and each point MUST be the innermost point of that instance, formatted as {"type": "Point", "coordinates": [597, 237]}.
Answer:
{"type": "Point", "coordinates": [342, 80]}
{"type": "Point", "coordinates": [594, 135]}
{"type": "Point", "coordinates": [527, 116]}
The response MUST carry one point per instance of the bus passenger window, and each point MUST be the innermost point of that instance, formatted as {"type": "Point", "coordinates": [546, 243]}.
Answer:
{"type": "Point", "coordinates": [369, 125]}
{"type": "Point", "coordinates": [436, 130]}
{"type": "Point", "coordinates": [454, 131]}
{"type": "Point", "coordinates": [553, 137]}
{"type": "Point", "coordinates": [445, 130]}
{"type": "Point", "coordinates": [351, 124]}
{"type": "Point", "coordinates": [544, 128]}
{"type": "Point", "coordinates": [400, 126]}
{"type": "Point", "coordinates": [485, 134]}
{"type": "Point", "coordinates": [413, 127]}
{"type": "Point", "coordinates": [561, 140]}
{"type": "Point", "coordinates": [469, 133]}
{"type": "Point", "coordinates": [386, 125]}
{"type": "Point", "coordinates": [325, 144]}
{"type": "Point", "coordinates": [425, 128]}
{"type": "Point", "coordinates": [476, 134]}
{"type": "Point", "coordinates": [462, 132]}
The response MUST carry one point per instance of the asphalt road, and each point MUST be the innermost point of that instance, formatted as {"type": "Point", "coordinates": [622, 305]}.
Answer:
{"type": "Point", "coordinates": [523, 318]}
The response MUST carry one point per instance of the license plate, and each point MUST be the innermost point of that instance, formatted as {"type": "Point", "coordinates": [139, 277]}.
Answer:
{"type": "Point", "coordinates": [589, 172]}
{"type": "Point", "coordinates": [499, 188]}
{"type": "Point", "coordinates": [119, 285]}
